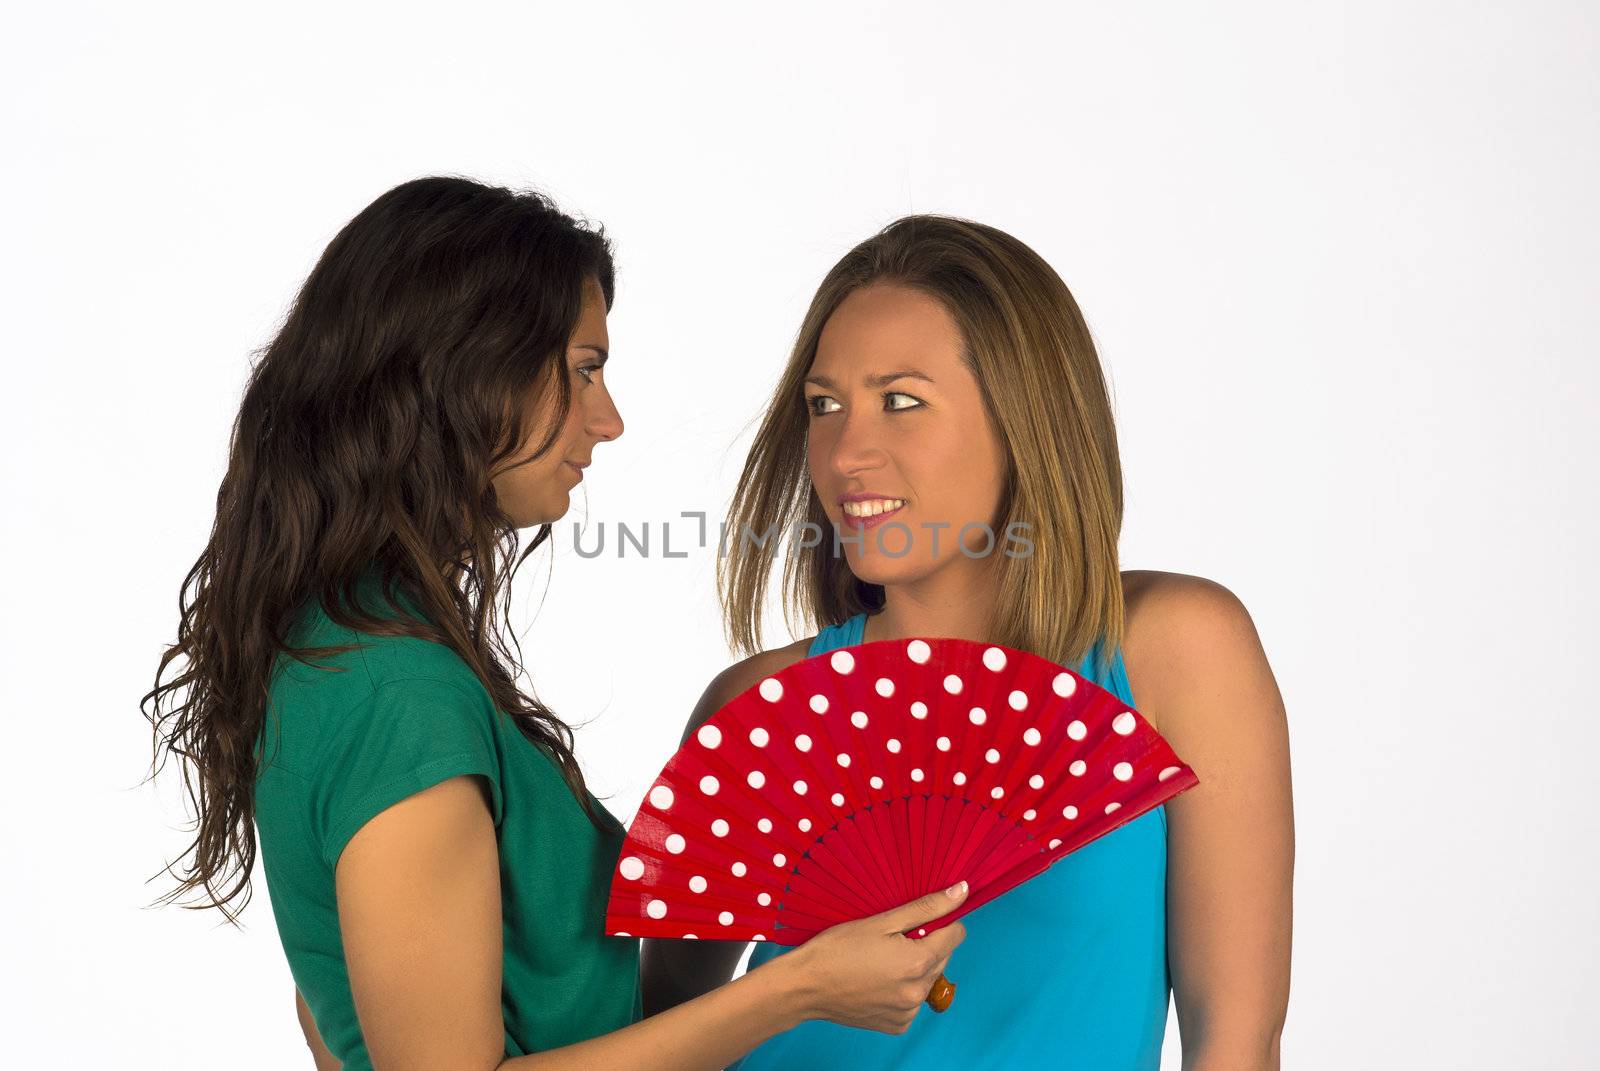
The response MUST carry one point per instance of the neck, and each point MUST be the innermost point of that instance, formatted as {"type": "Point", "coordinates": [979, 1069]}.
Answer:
{"type": "Point", "coordinates": [954, 602]}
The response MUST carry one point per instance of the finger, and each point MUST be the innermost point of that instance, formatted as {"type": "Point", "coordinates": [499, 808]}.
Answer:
{"type": "Point", "coordinates": [943, 941]}
{"type": "Point", "coordinates": [923, 909]}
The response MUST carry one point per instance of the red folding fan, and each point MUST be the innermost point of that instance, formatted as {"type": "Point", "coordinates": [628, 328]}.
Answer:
{"type": "Point", "coordinates": [857, 780]}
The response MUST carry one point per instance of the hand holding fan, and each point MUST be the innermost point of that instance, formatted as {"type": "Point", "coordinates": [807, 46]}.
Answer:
{"type": "Point", "coordinates": [857, 780]}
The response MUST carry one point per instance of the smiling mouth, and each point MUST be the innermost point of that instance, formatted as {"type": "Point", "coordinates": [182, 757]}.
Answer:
{"type": "Point", "coordinates": [871, 512]}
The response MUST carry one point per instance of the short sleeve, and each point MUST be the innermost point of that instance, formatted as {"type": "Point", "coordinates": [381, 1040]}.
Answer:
{"type": "Point", "coordinates": [407, 736]}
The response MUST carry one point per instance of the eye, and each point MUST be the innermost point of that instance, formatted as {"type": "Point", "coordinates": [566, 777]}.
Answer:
{"type": "Point", "coordinates": [811, 404]}
{"type": "Point", "coordinates": [588, 370]}
{"type": "Point", "coordinates": [915, 402]}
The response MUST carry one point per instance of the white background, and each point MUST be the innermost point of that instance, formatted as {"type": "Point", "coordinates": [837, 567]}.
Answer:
{"type": "Point", "coordinates": [1340, 261]}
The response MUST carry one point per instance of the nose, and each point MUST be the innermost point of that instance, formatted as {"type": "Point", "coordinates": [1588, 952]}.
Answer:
{"type": "Point", "coordinates": [604, 422]}
{"type": "Point", "coordinates": [856, 448]}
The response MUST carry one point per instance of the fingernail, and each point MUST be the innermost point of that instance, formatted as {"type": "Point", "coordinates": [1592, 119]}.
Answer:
{"type": "Point", "coordinates": [957, 891]}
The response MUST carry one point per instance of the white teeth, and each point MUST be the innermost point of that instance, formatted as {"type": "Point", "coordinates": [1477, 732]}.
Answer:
{"type": "Point", "coordinates": [872, 507]}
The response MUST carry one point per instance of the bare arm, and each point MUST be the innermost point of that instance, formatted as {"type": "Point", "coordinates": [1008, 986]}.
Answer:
{"type": "Point", "coordinates": [672, 972]}
{"type": "Point", "coordinates": [418, 891]}
{"type": "Point", "coordinates": [320, 1056]}
{"type": "Point", "coordinates": [1202, 678]}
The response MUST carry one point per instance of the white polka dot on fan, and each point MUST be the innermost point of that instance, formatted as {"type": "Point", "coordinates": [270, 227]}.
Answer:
{"type": "Point", "coordinates": [1064, 684]}
{"type": "Point", "coordinates": [720, 827]}
{"type": "Point", "coordinates": [1077, 730]}
{"type": "Point", "coordinates": [1029, 815]}
{"type": "Point", "coordinates": [800, 788]}
{"type": "Point", "coordinates": [805, 825]}
{"type": "Point", "coordinates": [838, 799]}
{"type": "Point", "coordinates": [1055, 843]}
{"type": "Point", "coordinates": [764, 899]}
{"type": "Point", "coordinates": [859, 720]}
{"type": "Point", "coordinates": [916, 775]}
{"type": "Point", "coordinates": [1166, 772]}
{"type": "Point", "coordinates": [771, 690]}
{"type": "Point", "coordinates": [656, 909]}
{"type": "Point", "coordinates": [1122, 771]}
{"type": "Point", "coordinates": [738, 870]}
{"type": "Point", "coordinates": [918, 651]}
{"type": "Point", "coordinates": [1112, 807]}
{"type": "Point", "coordinates": [952, 684]}
{"type": "Point", "coordinates": [977, 715]}
{"type": "Point", "coordinates": [876, 782]}
{"type": "Point", "coordinates": [842, 661]}
{"type": "Point", "coordinates": [1069, 812]}
{"type": "Point", "coordinates": [844, 760]}
{"type": "Point", "coordinates": [759, 736]}
{"type": "Point", "coordinates": [1124, 723]}
{"type": "Point", "coordinates": [632, 868]}
{"type": "Point", "coordinates": [779, 860]}
{"type": "Point", "coordinates": [756, 778]}
{"type": "Point", "coordinates": [919, 710]}
{"type": "Point", "coordinates": [994, 658]}
{"type": "Point", "coordinates": [697, 884]}
{"type": "Point", "coordinates": [675, 843]}
{"type": "Point", "coordinates": [709, 785]}
{"type": "Point", "coordinates": [943, 743]}
{"type": "Point", "coordinates": [997, 792]}
{"type": "Point", "coordinates": [1036, 781]}
{"type": "Point", "coordinates": [1077, 768]}
{"type": "Point", "coordinates": [960, 778]}
{"type": "Point", "coordinates": [884, 687]}
{"type": "Point", "coordinates": [709, 736]}
{"type": "Point", "coordinates": [726, 918]}
{"type": "Point", "coordinates": [893, 745]}
{"type": "Point", "coordinates": [992, 755]}
{"type": "Point", "coordinates": [819, 704]}
{"type": "Point", "coordinates": [802, 742]}
{"type": "Point", "coordinates": [661, 797]}
{"type": "Point", "coordinates": [1032, 737]}
{"type": "Point", "coordinates": [1018, 700]}
{"type": "Point", "coordinates": [765, 825]}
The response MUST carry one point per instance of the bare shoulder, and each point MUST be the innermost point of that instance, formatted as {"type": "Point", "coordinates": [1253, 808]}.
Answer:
{"type": "Point", "coordinates": [1180, 631]}
{"type": "Point", "coordinates": [742, 676]}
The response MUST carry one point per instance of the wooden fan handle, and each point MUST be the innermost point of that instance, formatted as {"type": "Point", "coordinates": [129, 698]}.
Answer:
{"type": "Point", "coordinates": [942, 993]}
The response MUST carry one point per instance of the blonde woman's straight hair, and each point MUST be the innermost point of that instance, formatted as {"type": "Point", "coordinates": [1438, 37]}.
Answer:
{"type": "Point", "coordinates": [1036, 366]}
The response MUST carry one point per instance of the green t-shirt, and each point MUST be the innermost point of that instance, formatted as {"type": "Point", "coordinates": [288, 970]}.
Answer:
{"type": "Point", "coordinates": [339, 747]}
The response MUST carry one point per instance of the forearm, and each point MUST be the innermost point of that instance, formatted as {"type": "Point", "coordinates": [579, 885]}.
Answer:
{"type": "Point", "coordinates": [703, 1034]}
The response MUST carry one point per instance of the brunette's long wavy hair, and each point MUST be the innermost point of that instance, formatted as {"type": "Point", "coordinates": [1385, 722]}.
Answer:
{"type": "Point", "coordinates": [367, 438]}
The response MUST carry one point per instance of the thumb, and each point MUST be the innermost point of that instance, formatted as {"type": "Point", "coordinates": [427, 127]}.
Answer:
{"type": "Point", "coordinates": [924, 908]}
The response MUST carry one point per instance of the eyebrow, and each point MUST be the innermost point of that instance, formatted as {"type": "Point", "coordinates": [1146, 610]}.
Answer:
{"type": "Point", "coordinates": [601, 350]}
{"type": "Point", "coordinates": [873, 381]}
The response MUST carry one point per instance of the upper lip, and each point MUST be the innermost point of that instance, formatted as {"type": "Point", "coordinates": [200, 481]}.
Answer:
{"type": "Point", "coordinates": [868, 496]}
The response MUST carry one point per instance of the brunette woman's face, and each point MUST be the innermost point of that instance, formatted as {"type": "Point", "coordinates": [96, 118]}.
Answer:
{"type": "Point", "coordinates": [899, 433]}
{"type": "Point", "coordinates": [534, 491]}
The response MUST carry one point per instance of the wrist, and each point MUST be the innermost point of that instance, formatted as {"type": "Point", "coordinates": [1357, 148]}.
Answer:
{"type": "Point", "coordinates": [792, 985]}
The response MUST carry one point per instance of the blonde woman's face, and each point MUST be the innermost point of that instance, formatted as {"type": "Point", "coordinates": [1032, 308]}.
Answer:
{"type": "Point", "coordinates": [535, 491]}
{"type": "Point", "coordinates": [899, 436]}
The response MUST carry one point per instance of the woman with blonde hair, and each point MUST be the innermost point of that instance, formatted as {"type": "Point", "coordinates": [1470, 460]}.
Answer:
{"type": "Point", "coordinates": [944, 420]}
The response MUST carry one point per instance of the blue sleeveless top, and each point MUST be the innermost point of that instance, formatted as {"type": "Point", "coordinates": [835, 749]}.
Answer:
{"type": "Point", "coordinates": [1067, 970]}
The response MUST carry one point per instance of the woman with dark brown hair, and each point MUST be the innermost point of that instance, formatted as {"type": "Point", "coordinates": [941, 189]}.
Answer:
{"type": "Point", "coordinates": [437, 868]}
{"type": "Point", "coordinates": [944, 418]}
